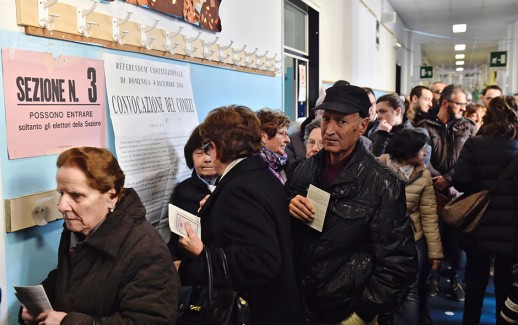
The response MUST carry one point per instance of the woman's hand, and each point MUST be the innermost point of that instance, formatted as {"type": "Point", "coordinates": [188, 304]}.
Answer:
{"type": "Point", "coordinates": [27, 317]}
{"type": "Point", "coordinates": [202, 202]}
{"type": "Point", "coordinates": [302, 209]}
{"type": "Point", "coordinates": [192, 244]}
{"type": "Point", "coordinates": [50, 317]}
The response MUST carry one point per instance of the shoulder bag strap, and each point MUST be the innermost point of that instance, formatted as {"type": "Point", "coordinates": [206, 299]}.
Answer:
{"type": "Point", "coordinates": [209, 271]}
{"type": "Point", "coordinates": [225, 267]}
{"type": "Point", "coordinates": [508, 170]}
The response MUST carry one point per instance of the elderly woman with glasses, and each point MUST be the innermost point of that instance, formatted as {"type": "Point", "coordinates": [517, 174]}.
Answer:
{"type": "Point", "coordinates": [246, 218]}
{"type": "Point", "coordinates": [274, 138]}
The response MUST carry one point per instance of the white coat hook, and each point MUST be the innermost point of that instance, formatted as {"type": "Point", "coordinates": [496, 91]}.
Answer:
{"type": "Point", "coordinates": [259, 57]}
{"type": "Point", "coordinates": [280, 60]}
{"type": "Point", "coordinates": [119, 21]}
{"type": "Point", "coordinates": [207, 54]}
{"type": "Point", "coordinates": [170, 35]}
{"type": "Point", "coordinates": [172, 48]}
{"type": "Point", "coordinates": [44, 19]}
{"type": "Point", "coordinates": [86, 12]}
{"type": "Point", "coordinates": [83, 26]}
{"type": "Point", "coordinates": [224, 57]}
{"type": "Point", "coordinates": [146, 41]}
{"type": "Point", "coordinates": [236, 62]}
{"type": "Point", "coordinates": [251, 53]}
{"type": "Point", "coordinates": [224, 48]}
{"type": "Point", "coordinates": [209, 44]}
{"type": "Point", "coordinates": [192, 39]}
{"type": "Point", "coordinates": [272, 58]}
{"type": "Point", "coordinates": [239, 51]}
{"type": "Point", "coordinates": [260, 65]}
{"type": "Point", "coordinates": [118, 36]}
{"type": "Point", "coordinates": [169, 47]}
{"type": "Point", "coordinates": [190, 51]}
{"type": "Point", "coordinates": [206, 45]}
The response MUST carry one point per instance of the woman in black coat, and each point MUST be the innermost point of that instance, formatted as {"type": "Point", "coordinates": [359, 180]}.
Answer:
{"type": "Point", "coordinates": [246, 216]}
{"type": "Point", "coordinates": [188, 194]}
{"type": "Point", "coordinates": [482, 159]}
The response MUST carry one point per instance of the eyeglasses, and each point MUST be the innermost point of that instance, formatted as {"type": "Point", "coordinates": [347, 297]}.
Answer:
{"type": "Point", "coordinates": [205, 146]}
{"type": "Point", "coordinates": [438, 92]}
{"type": "Point", "coordinates": [311, 143]}
{"type": "Point", "coordinates": [457, 103]}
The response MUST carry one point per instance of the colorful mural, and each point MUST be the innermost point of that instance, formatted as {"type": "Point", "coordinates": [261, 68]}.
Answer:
{"type": "Point", "coordinates": [202, 13]}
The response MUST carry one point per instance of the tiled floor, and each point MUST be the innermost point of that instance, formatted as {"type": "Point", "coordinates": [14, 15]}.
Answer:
{"type": "Point", "coordinates": [446, 311]}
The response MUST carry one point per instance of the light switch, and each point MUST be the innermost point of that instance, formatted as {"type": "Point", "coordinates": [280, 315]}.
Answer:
{"type": "Point", "coordinates": [31, 210]}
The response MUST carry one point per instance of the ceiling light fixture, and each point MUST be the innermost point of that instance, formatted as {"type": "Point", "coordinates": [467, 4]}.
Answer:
{"type": "Point", "coordinates": [460, 56]}
{"type": "Point", "coordinates": [460, 47]}
{"type": "Point", "coordinates": [398, 44]}
{"type": "Point", "coordinates": [459, 28]}
{"type": "Point", "coordinates": [460, 69]}
{"type": "Point", "coordinates": [459, 62]}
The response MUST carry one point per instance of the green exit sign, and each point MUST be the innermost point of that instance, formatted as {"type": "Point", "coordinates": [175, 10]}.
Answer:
{"type": "Point", "coordinates": [498, 59]}
{"type": "Point", "coordinates": [426, 72]}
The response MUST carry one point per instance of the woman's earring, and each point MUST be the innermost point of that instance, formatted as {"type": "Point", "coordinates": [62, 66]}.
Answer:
{"type": "Point", "coordinates": [110, 210]}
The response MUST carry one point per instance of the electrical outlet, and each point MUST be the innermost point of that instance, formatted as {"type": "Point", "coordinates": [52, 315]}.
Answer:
{"type": "Point", "coordinates": [31, 210]}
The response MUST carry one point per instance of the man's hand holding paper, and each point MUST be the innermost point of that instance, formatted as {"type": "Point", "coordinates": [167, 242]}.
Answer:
{"type": "Point", "coordinates": [311, 209]}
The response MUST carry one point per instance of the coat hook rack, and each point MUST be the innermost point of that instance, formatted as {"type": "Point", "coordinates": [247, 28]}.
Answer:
{"type": "Point", "coordinates": [45, 19]}
{"type": "Point", "coordinates": [169, 47]}
{"type": "Point", "coordinates": [83, 26]}
{"type": "Point", "coordinates": [146, 41]}
{"type": "Point", "coordinates": [118, 35]}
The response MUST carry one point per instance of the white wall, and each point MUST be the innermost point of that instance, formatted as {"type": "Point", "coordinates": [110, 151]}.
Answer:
{"type": "Point", "coordinates": [348, 44]}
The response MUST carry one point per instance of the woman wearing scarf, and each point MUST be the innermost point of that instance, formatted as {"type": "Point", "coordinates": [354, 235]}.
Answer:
{"type": "Point", "coordinates": [274, 138]}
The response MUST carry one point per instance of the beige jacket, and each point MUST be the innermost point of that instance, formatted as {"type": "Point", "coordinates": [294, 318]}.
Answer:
{"type": "Point", "coordinates": [421, 206]}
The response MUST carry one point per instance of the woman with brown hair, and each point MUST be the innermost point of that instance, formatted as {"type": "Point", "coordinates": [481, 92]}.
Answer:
{"type": "Point", "coordinates": [247, 218]}
{"type": "Point", "coordinates": [274, 138]}
{"type": "Point", "coordinates": [113, 266]}
{"type": "Point", "coordinates": [481, 161]}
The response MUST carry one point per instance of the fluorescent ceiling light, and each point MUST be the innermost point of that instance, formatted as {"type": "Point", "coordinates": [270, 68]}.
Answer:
{"type": "Point", "coordinates": [460, 56]}
{"type": "Point", "coordinates": [460, 47]}
{"type": "Point", "coordinates": [460, 69]}
{"type": "Point", "coordinates": [459, 28]}
{"type": "Point", "coordinates": [459, 62]}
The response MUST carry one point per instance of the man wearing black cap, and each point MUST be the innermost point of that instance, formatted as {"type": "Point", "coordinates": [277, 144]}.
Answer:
{"type": "Point", "coordinates": [364, 260]}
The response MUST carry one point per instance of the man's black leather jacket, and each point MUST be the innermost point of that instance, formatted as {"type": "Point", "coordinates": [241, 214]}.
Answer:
{"type": "Point", "coordinates": [365, 259]}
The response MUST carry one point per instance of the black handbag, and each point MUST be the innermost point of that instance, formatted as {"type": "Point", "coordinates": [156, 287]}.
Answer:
{"type": "Point", "coordinates": [466, 211]}
{"type": "Point", "coordinates": [200, 304]}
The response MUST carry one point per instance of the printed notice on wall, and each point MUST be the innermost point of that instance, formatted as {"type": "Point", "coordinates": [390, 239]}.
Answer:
{"type": "Point", "coordinates": [152, 110]}
{"type": "Point", "coordinates": [52, 104]}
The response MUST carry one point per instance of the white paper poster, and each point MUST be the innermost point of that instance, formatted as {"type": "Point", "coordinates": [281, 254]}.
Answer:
{"type": "Point", "coordinates": [153, 113]}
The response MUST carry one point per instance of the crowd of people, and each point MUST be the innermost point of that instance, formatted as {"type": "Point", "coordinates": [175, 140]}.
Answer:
{"type": "Point", "coordinates": [337, 223]}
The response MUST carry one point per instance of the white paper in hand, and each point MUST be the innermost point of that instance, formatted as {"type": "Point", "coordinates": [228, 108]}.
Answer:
{"type": "Point", "coordinates": [178, 218]}
{"type": "Point", "coordinates": [34, 298]}
{"type": "Point", "coordinates": [320, 200]}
